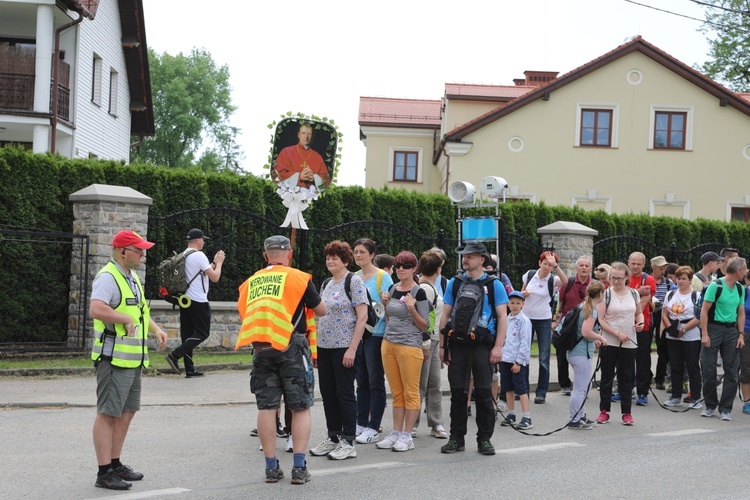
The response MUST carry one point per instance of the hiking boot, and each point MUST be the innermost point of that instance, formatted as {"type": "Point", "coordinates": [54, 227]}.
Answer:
{"type": "Point", "coordinates": [173, 363]}
{"type": "Point", "coordinates": [485, 447]}
{"type": "Point", "coordinates": [324, 448]}
{"type": "Point", "coordinates": [525, 424]}
{"type": "Point", "coordinates": [627, 419]}
{"type": "Point", "coordinates": [273, 474]}
{"type": "Point", "coordinates": [510, 420]}
{"type": "Point", "coordinates": [603, 417]}
{"type": "Point", "coordinates": [343, 451]}
{"type": "Point", "coordinates": [126, 473]}
{"type": "Point", "coordinates": [452, 446]}
{"type": "Point", "coordinates": [581, 425]}
{"type": "Point", "coordinates": [673, 402]}
{"type": "Point", "coordinates": [112, 482]}
{"type": "Point", "coordinates": [300, 475]}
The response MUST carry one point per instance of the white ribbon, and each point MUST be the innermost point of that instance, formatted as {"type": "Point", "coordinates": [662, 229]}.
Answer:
{"type": "Point", "coordinates": [297, 200]}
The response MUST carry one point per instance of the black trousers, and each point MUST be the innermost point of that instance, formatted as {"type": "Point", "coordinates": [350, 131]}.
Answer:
{"type": "Point", "coordinates": [466, 360]}
{"type": "Point", "coordinates": [336, 384]}
{"type": "Point", "coordinates": [620, 359]}
{"type": "Point", "coordinates": [662, 349]}
{"type": "Point", "coordinates": [563, 374]}
{"type": "Point", "coordinates": [195, 326]}
{"type": "Point", "coordinates": [643, 372]}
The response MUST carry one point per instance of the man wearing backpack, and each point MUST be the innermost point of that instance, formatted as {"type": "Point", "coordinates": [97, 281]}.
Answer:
{"type": "Point", "coordinates": [571, 295]}
{"type": "Point", "coordinates": [645, 285]}
{"type": "Point", "coordinates": [722, 331]}
{"type": "Point", "coordinates": [710, 262]}
{"type": "Point", "coordinates": [663, 285]}
{"type": "Point", "coordinates": [472, 333]}
{"type": "Point", "coordinates": [195, 319]}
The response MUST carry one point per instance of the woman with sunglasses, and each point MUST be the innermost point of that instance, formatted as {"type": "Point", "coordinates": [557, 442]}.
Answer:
{"type": "Point", "coordinates": [601, 273]}
{"type": "Point", "coordinates": [620, 317]}
{"type": "Point", "coordinates": [407, 313]}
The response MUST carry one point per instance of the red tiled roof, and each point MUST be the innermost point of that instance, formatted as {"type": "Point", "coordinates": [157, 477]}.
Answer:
{"type": "Point", "coordinates": [399, 112]}
{"type": "Point", "coordinates": [637, 44]}
{"type": "Point", "coordinates": [490, 92]}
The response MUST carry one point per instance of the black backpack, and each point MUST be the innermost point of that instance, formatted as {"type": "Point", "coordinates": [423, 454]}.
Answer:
{"type": "Point", "coordinates": [468, 301]}
{"type": "Point", "coordinates": [565, 336]}
{"type": "Point", "coordinates": [719, 288]}
{"type": "Point", "coordinates": [372, 317]}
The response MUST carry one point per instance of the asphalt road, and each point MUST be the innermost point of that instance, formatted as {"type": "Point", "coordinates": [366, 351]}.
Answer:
{"type": "Point", "coordinates": [192, 442]}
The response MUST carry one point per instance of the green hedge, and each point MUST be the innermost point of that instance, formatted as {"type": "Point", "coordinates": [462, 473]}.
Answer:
{"type": "Point", "coordinates": [34, 191]}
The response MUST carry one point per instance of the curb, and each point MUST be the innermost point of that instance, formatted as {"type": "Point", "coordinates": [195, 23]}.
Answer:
{"type": "Point", "coordinates": [80, 371]}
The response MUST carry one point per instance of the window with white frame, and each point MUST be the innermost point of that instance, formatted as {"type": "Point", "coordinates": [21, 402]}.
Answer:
{"type": "Point", "coordinates": [113, 92]}
{"type": "Point", "coordinates": [671, 128]}
{"type": "Point", "coordinates": [96, 81]}
{"type": "Point", "coordinates": [597, 125]}
{"type": "Point", "coordinates": [405, 164]}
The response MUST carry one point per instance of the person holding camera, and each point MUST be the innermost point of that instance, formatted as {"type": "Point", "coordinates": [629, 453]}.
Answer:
{"type": "Point", "coordinates": [681, 326]}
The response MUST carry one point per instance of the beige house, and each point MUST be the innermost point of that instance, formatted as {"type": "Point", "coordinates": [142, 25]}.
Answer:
{"type": "Point", "coordinates": [634, 130]}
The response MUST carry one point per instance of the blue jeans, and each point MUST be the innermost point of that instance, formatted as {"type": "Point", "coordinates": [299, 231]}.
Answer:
{"type": "Point", "coordinates": [370, 383]}
{"type": "Point", "coordinates": [543, 330]}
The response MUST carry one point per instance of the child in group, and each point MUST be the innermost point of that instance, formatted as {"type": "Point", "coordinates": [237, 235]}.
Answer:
{"type": "Point", "coordinates": [514, 365]}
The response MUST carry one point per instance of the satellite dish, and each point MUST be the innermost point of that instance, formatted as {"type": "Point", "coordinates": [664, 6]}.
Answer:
{"type": "Point", "coordinates": [461, 192]}
{"type": "Point", "coordinates": [493, 187]}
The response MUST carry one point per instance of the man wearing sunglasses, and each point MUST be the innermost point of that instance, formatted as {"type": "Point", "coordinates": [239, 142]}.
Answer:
{"type": "Point", "coordinates": [121, 322]}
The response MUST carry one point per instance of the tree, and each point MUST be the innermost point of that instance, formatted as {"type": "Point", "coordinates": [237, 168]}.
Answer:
{"type": "Point", "coordinates": [192, 103]}
{"type": "Point", "coordinates": [728, 31]}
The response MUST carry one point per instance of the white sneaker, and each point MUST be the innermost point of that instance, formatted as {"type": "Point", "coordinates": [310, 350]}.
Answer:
{"type": "Point", "coordinates": [673, 402]}
{"type": "Point", "coordinates": [404, 443]}
{"type": "Point", "coordinates": [502, 405]}
{"type": "Point", "coordinates": [360, 429]}
{"type": "Point", "coordinates": [707, 412]}
{"type": "Point", "coordinates": [289, 444]}
{"type": "Point", "coordinates": [440, 432]}
{"type": "Point", "coordinates": [388, 442]}
{"type": "Point", "coordinates": [726, 416]}
{"type": "Point", "coordinates": [414, 433]}
{"type": "Point", "coordinates": [367, 436]}
{"type": "Point", "coordinates": [695, 406]}
{"type": "Point", "coordinates": [343, 451]}
{"type": "Point", "coordinates": [324, 448]}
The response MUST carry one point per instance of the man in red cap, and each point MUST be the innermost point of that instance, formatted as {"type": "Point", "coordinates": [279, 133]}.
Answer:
{"type": "Point", "coordinates": [121, 322]}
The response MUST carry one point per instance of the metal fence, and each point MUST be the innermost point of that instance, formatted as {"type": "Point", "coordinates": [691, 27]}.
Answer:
{"type": "Point", "coordinates": [619, 248]}
{"type": "Point", "coordinates": [41, 309]}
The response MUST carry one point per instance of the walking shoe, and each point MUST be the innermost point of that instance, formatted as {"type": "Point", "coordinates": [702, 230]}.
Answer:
{"type": "Point", "coordinates": [126, 473]}
{"type": "Point", "coordinates": [539, 400]}
{"type": "Point", "coordinates": [603, 417]}
{"type": "Point", "coordinates": [581, 425]}
{"type": "Point", "coordinates": [746, 408]}
{"type": "Point", "coordinates": [414, 433]}
{"type": "Point", "coordinates": [627, 419]}
{"type": "Point", "coordinates": [525, 424]}
{"type": "Point", "coordinates": [254, 433]}
{"type": "Point", "coordinates": [112, 482]}
{"type": "Point", "coordinates": [485, 447]}
{"type": "Point", "coordinates": [642, 400]}
{"type": "Point", "coordinates": [360, 429]}
{"type": "Point", "coordinates": [687, 399]}
{"type": "Point", "coordinates": [324, 448]}
{"type": "Point", "coordinates": [707, 412]}
{"type": "Point", "coordinates": [289, 445]}
{"type": "Point", "coordinates": [616, 397]}
{"type": "Point", "coordinates": [695, 404]}
{"type": "Point", "coordinates": [660, 386]}
{"type": "Point", "coordinates": [274, 474]}
{"type": "Point", "coordinates": [343, 451]}
{"type": "Point", "coordinates": [281, 433]}
{"type": "Point", "coordinates": [300, 475]}
{"type": "Point", "coordinates": [673, 402]}
{"type": "Point", "coordinates": [439, 432]}
{"type": "Point", "coordinates": [452, 446]}
{"type": "Point", "coordinates": [367, 436]}
{"type": "Point", "coordinates": [502, 405]}
{"type": "Point", "coordinates": [388, 442]}
{"type": "Point", "coordinates": [566, 391]}
{"type": "Point", "coordinates": [404, 443]}
{"type": "Point", "coordinates": [173, 363]}
{"type": "Point", "coordinates": [510, 420]}
{"type": "Point", "coordinates": [726, 416]}
{"type": "Point", "coordinates": [468, 410]}
{"type": "Point", "coordinates": [192, 374]}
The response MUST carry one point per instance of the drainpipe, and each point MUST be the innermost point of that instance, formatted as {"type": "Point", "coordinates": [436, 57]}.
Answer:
{"type": "Point", "coordinates": [447, 170]}
{"type": "Point", "coordinates": [55, 79]}
{"type": "Point", "coordinates": [137, 143]}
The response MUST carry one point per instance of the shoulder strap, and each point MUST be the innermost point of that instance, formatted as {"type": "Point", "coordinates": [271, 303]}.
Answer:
{"type": "Point", "coordinates": [458, 279]}
{"type": "Point", "coordinates": [644, 277]}
{"type": "Point", "coordinates": [551, 286]}
{"type": "Point", "coordinates": [443, 282]}
{"type": "Point", "coordinates": [635, 296]}
{"type": "Point", "coordinates": [434, 292]}
{"type": "Point", "coordinates": [348, 285]}
{"type": "Point", "coordinates": [324, 284]}
{"type": "Point", "coordinates": [671, 294]}
{"type": "Point", "coordinates": [190, 281]}
{"type": "Point", "coordinates": [490, 280]}
{"type": "Point", "coordinates": [529, 274]}
{"type": "Point", "coordinates": [693, 296]}
{"type": "Point", "coordinates": [607, 297]}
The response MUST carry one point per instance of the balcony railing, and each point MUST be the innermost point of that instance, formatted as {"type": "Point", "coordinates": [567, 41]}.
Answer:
{"type": "Point", "coordinates": [17, 94]}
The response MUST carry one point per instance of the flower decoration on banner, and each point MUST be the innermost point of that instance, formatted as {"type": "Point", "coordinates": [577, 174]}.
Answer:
{"type": "Point", "coordinates": [304, 159]}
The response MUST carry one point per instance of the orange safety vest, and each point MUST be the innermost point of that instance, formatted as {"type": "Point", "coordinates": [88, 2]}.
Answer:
{"type": "Point", "coordinates": [267, 302]}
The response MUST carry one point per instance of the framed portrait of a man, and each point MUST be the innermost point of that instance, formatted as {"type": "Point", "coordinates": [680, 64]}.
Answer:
{"type": "Point", "coordinates": [303, 153]}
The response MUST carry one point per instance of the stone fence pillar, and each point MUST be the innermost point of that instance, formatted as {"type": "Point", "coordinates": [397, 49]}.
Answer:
{"type": "Point", "coordinates": [100, 211]}
{"type": "Point", "coordinates": [570, 241]}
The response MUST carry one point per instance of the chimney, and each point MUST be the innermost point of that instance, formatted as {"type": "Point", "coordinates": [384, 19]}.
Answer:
{"type": "Point", "coordinates": [538, 78]}
{"type": "Point", "coordinates": [519, 82]}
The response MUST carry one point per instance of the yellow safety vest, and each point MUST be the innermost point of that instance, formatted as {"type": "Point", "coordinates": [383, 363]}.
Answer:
{"type": "Point", "coordinates": [127, 352]}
